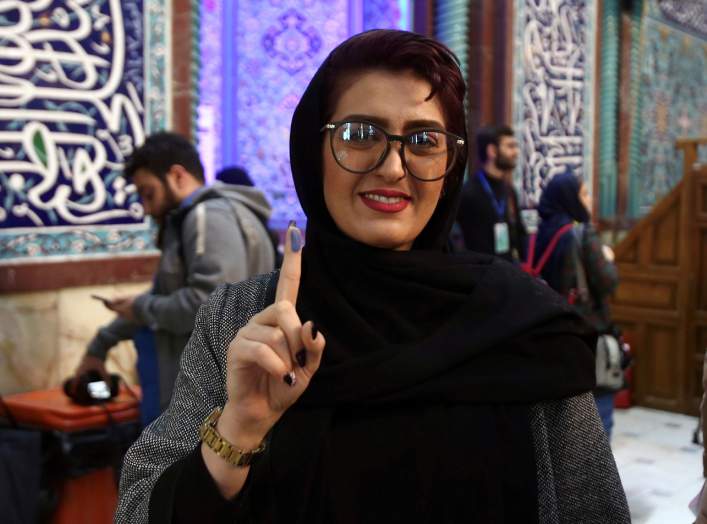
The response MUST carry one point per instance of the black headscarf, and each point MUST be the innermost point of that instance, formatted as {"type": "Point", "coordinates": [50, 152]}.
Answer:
{"type": "Point", "coordinates": [420, 410]}
{"type": "Point", "coordinates": [559, 205]}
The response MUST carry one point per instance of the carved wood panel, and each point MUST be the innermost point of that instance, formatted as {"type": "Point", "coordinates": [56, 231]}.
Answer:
{"type": "Point", "coordinates": [702, 273]}
{"type": "Point", "coordinates": [701, 195]}
{"type": "Point", "coordinates": [646, 293]}
{"type": "Point", "coordinates": [659, 374]}
{"type": "Point", "coordinates": [666, 239]}
{"type": "Point", "coordinates": [661, 301]}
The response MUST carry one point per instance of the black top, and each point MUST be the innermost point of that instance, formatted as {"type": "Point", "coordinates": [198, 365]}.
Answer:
{"type": "Point", "coordinates": [575, 473]}
{"type": "Point", "coordinates": [477, 215]}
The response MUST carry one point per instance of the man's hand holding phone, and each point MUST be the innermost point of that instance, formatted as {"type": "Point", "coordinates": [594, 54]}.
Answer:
{"type": "Point", "coordinates": [122, 306]}
{"type": "Point", "coordinates": [106, 302]}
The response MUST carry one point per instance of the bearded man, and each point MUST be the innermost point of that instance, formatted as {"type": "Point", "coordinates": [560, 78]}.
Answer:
{"type": "Point", "coordinates": [489, 214]}
{"type": "Point", "coordinates": [208, 236]}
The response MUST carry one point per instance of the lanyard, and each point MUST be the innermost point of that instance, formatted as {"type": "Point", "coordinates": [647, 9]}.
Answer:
{"type": "Point", "coordinates": [500, 205]}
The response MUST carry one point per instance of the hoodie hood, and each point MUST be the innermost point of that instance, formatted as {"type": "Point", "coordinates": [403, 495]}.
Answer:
{"type": "Point", "coordinates": [251, 197]}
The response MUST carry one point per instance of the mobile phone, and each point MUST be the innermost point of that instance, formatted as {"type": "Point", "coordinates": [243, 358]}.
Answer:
{"type": "Point", "coordinates": [105, 301]}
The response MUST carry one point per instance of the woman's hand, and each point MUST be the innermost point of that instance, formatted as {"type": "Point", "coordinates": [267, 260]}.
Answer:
{"type": "Point", "coordinates": [269, 365]}
{"type": "Point", "coordinates": [273, 357]}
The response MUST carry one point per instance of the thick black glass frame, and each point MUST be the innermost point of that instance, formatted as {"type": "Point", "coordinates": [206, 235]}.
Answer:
{"type": "Point", "coordinates": [457, 141]}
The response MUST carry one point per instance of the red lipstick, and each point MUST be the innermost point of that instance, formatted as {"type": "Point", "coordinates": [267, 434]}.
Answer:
{"type": "Point", "coordinates": [385, 200]}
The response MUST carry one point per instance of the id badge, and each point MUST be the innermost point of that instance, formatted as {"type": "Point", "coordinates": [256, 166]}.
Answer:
{"type": "Point", "coordinates": [502, 238]}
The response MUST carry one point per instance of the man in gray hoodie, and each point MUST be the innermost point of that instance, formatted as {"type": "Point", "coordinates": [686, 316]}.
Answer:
{"type": "Point", "coordinates": [208, 236]}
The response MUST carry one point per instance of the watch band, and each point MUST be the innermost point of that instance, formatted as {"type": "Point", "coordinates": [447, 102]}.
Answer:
{"type": "Point", "coordinates": [210, 436]}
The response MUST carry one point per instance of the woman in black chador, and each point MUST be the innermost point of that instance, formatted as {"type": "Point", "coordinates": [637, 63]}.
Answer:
{"type": "Point", "coordinates": [377, 378]}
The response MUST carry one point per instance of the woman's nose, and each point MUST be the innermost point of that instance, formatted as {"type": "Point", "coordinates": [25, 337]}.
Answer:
{"type": "Point", "coordinates": [393, 166]}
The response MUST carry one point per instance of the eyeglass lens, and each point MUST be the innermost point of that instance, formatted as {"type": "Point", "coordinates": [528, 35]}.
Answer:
{"type": "Point", "coordinates": [360, 147]}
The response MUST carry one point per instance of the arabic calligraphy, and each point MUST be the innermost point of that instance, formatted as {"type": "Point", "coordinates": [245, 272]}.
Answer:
{"type": "Point", "coordinates": [554, 117]}
{"type": "Point", "coordinates": [71, 111]}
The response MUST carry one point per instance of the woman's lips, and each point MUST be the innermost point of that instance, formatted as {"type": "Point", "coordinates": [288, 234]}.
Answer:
{"type": "Point", "coordinates": [385, 201]}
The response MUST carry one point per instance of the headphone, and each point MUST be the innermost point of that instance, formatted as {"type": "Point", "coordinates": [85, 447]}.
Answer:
{"type": "Point", "coordinates": [90, 388]}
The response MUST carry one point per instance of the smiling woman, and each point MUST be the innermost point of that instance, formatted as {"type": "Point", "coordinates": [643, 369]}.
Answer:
{"type": "Point", "coordinates": [366, 187]}
{"type": "Point", "coordinates": [377, 378]}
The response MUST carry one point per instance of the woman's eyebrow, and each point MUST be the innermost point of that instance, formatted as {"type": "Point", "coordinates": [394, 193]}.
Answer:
{"type": "Point", "coordinates": [384, 122]}
{"type": "Point", "coordinates": [365, 118]}
{"type": "Point", "coordinates": [416, 124]}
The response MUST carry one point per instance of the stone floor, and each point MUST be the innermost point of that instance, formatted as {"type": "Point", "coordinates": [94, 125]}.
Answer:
{"type": "Point", "coordinates": [660, 467]}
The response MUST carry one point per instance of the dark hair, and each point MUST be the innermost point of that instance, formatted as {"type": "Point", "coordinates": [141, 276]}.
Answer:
{"type": "Point", "coordinates": [490, 135]}
{"type": "Point", "coordinates": [401, 51]}
{"type": "Point", "coordinates": [234, 175]}
{"type": "Point", "coordinates": [161, 151]}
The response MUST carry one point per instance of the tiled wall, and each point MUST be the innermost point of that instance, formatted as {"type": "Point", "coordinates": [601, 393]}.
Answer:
{"type": "Point", "coordinates": [67, 126]}
{"type": "Point", "coordinates": [267, 52]}
{"type": "Point", "coordinates": [90, 84]}
{"type": "Point", "coordinates": [672, 91]}
{"type": "Point", "coordinates": [553, 90]}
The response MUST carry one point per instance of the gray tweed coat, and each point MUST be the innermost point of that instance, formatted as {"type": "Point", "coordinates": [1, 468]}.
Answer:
{"type": "Point", "coordinates": [577, 477]}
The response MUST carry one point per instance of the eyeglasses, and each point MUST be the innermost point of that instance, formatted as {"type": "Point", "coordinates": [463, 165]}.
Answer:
{"type": "Point", "coordinates": [361, 147]}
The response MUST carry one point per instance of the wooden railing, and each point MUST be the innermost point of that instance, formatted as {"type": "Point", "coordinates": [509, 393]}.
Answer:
{"type": "Point", "coordinates": [661, 301]}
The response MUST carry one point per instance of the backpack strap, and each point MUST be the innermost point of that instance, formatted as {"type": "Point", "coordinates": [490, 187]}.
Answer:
{"type": "Point", "coordinates": [527, 266]}
{"type": "Point", "coordinates": [535, 271]}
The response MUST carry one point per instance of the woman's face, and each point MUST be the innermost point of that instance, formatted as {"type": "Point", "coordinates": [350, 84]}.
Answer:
{"type": "Point", "coordinates": [386, 207]}
{"type": "Point", "coordinates": [585, 198]}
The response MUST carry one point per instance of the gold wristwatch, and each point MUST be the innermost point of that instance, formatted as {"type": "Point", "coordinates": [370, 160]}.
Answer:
{"type": "Point", "coordinates": [210, 436]}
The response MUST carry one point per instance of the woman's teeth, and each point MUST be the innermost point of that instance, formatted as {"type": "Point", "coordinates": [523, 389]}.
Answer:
{"type": "Point", "coordinates": [384, 199]}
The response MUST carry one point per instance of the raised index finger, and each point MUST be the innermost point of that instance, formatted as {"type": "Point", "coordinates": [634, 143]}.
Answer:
{"type": "Point", "coordinates": [288, 283]}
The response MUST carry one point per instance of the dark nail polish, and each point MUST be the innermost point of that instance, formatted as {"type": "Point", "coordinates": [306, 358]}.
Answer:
{"type": "Point", "coordinates": [295, 239]}
{"type": "Point", "coordinates": [301, 358]}
{"type": "Point", "coordinates": [290, 379]}
{"type": "Point", "coordinates": [315, 331]}
{"type": "Point", "coordinates": [291, 224]}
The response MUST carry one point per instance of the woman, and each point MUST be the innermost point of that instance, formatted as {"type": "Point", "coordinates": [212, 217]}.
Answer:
{"type": "Point", "coordinates": [580, 267]}
{"type": "Point", "coordinates": [451, 389]}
